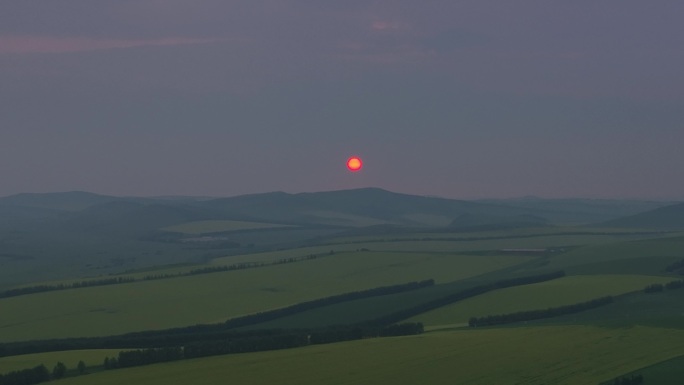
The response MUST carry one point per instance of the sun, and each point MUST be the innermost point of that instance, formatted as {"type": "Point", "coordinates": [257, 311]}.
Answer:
{"type": "Point", "coordinates": [354, 163]}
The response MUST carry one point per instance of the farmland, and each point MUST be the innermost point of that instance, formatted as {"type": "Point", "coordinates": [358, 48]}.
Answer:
{"type": "Point", "coordinates": [269, 264]}
{"type": "Point", "coordinates": [181, 301]}
{"type": "Point", "coordinates": [564, 291]}
{"type": "Point", "coordinates": [554, 355]}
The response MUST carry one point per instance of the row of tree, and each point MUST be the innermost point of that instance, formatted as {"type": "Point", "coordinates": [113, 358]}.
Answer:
{"type": "Point", "coordinates": [658, 287]}
{"type": "Point", "coordinates": [461, 295]}
{"type": "Point", "coordinates": [37, 374]}
{"type": "Point", "coordinates": [188, 334]}
{"type": "Point", "coordinates": [634, 379]}
{"type": "Point", "coordinates": [676, 267]}
{"type": "Point", "coordinates": [531, 315]}
{"type": "Point", "coordinates": [31, 376]}
{"type": "Point", "coordinates": [270, 315]}
{"type": "Point", "coordinates": [256, 343]}
{"type": "Point", "coordinates": [395, 230]}
{"type": "Point", "coordinates": [61, 286]}
{"type": "Point", "coordinates": [119, 280]}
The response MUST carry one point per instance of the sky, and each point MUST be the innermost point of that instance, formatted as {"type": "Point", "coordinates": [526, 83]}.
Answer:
{"type": "Point", "coordinates": [459, 99]}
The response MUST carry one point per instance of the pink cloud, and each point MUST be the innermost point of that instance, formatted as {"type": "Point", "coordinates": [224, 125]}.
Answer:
{"type": "Point", "coordinates": [38, 44]}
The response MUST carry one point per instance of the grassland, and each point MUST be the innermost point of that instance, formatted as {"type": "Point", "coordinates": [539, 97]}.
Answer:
{"type": "Point", "coordinates": [420, 243]}
{"type": "Point", "coordinates": [105, 310]}
{"type": "Point", "coordinates": [668, 372]}
{"type": "Point", "coordinates": [585, 348]}
{"type": "Point", "coordinates": [558, 292]}
{"type": "Point", "coordinates": [549, 355]}
{"type": "Point", "coordinates": [664, 310]}
{"type": "Point", "coordinates": [665, 248]}
{"type": "Point", "coordinates": [208, 227]}
{"type": "Point", "coordinates": [432, 242]}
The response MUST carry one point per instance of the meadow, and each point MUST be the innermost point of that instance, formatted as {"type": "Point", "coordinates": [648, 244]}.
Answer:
{"type": "Point", "coordinates": [554, 293]}
{"type": "Point", "coordinates": [210, 298]}
{"type": "Point", "coordinates": [551, 355]}
{"type": "Point", "coordinates": [668, 372]}
{"type": "Point", "coordinates": [669, 247]}
{"type": "Point", "coordinates": [590, 347]}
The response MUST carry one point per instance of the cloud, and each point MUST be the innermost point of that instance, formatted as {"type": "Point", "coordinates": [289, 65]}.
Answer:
{"type": "Point", "coordinates": [380, 25]}
{"type": "Point", "coordinates": [45, 44]}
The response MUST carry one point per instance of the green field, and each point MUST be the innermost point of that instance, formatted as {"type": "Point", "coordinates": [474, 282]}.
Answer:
{"type": "Point", "coordinates": [548, 355]}
{"type": "Point", "coordinates": [457, 243]}
{"type": "Point", "coordinates": [668, 248]}
{"type": "Point", "coordinates": [209, 298]}
{"type": "Point", "coordinates": [583, 348]}
{"type": "Point", "coordinates": [558, 292]}
{"type": "Point", "coordinates": [207, 227]}
{"type": "Point", "coordinates": [668, 372]}
{"type": "Point", "coordinates": [665, 309]}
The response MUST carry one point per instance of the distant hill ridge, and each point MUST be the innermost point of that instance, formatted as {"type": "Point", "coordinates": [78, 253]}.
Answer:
{"type": "Point", "coordinates": [340, 208]}
{"type": "Point", "coordinates": [69, 201]}
{"type": "Point", "coordinates": [668, 217]}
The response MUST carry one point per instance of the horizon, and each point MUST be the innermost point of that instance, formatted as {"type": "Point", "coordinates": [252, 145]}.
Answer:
{"type": "Point", "coordinates": [526, 197]}
{"type": "Point", "coordinates": [466, 100]}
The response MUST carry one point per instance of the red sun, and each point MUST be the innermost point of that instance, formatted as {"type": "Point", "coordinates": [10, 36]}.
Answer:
{"type": "Point", "coordinates": [354, 163]}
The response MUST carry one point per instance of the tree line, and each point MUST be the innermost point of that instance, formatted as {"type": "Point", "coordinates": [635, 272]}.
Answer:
{"type": "Point", "coordinates": [634, 379]}
{"type": "Point", "coordinates": [31, 376]}
{"type": "Point", "coordinates": [270, 315]}
{"type": "Point", "coordinates": [659, 287]}
{"type": "Point", "coordinates": [188, 334]}
{"type": "Point", "coordinates": [198, 335]}
{"type": "Point", "coordinates": [75, 285]}
{"type": "Point", "coordinates": [185, 335]}
{"type": "Point", "coordinates": [236, 343]}
{"type": "Point", "coordinates": [38, 374]}
{"type": "Point", "coordinates": [120, 280]}
{"type": "Point", "coordinates": [256, 343]}
{"type": "Point", "coordinates": [676, 267]}
{"type": "Point", "coordinates": [461, 295]}
{"type": "Point", "coordinates": [531, 315]}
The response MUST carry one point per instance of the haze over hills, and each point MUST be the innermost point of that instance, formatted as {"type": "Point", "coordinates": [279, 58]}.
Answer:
{"type": "Point", "coordinates": [83, 271]}
{"type": "Point", "coordinates": [579, 210]}
{"type": "Point", "coordinates": [341, 208]}
{"type": "Point", "coordinates": [668, 217]}
{"type": "Point", "coordinates": [77, 233]}
{"type": "Point", "coordinates": [344, 209]}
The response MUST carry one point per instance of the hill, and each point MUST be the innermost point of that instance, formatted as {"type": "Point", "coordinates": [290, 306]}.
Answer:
{"type": "Point", "coordinates": [667, 218]}
{"type": "Point", "coordinates": [578, 210]}
{"type": "Point", "coordinates": [67, 201]}
{"type": "Point", "coordinates": [360, 207]}
{"type": "Point", "coordinates": [78, 234]}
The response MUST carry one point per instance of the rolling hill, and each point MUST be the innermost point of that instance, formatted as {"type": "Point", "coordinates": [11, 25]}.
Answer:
{"type": "Point", "coordinates": [79, 234]}
{"type": "Point", "coordinates": [668, 218]}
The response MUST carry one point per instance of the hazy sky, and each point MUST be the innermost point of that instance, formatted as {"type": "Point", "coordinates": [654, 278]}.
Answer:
{"type": "Point", "coordinates": [452, 98]}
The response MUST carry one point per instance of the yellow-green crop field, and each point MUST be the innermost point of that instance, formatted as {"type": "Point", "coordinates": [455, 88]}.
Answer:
{"type": "Point", "coordinates": [210, 298]}
{"type": "Point", "coordinates": [554, 293]}
{"type": "Point", "coordinates": [662, 247]}
{"type": "Point", "coordinates": [534, 355]}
